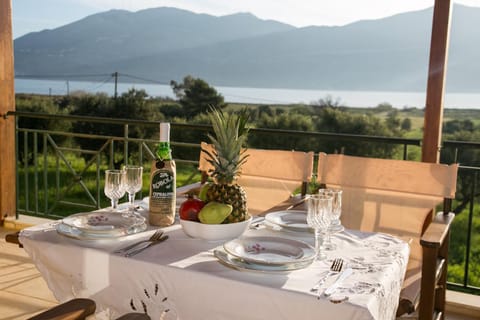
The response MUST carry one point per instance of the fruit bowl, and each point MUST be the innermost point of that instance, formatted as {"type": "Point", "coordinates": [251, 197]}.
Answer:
{"type": "Point", "coordinates": [214, 232]}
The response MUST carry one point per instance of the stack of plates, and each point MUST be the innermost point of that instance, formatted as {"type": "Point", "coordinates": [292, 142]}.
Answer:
{"type": "Point", "coordinates": [292, 220]}
{"type": "Point", "coordinates": [266, 254]}
{"type": "Point", "coordinates": [100, 225]}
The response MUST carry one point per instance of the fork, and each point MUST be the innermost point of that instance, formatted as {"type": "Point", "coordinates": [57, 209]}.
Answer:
{"type": "Point", "coordinates": [154, 237]}
{"type": "Point", "coordinates": [133, 252]}
{"type": "Point", "coordinates": [335, 268]}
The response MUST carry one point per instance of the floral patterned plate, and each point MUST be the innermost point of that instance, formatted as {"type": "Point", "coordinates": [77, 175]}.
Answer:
{"type": "Point", "coordinates": [270, 250]}
{"type": "Point", "coordinates": [100, 225]}
{"type": "Point", "coordinates": [242, 265]}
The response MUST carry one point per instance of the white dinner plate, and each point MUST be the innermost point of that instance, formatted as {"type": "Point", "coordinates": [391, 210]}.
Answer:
{"type": "Point", "coordinates": [100, 225]}
{"type": "Point", "coordinates": [242, 265]}
{"type": "Point", "coordinates": [294, 220]}
{"type": "Point", "coordinates": [270, 250]}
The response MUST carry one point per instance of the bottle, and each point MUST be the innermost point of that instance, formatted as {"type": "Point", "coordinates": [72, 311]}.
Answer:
{"type": "Point", "coordinates": [163, 182]}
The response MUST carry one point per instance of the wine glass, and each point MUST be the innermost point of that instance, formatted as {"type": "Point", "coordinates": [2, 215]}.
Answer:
{"type": "Point", "coordinates": [114, 186]}
{"type": "Point", "coordinates": [319, 207]}
{"type": "Point", "coordinates": [133, 183]}
{"type": "Point", "coordinates": [335, 224]}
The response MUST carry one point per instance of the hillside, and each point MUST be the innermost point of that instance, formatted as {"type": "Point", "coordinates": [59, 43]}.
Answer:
{"type": "Point", "coordinates": [242, 50]}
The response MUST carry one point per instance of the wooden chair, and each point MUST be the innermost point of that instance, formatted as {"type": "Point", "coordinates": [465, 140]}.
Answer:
{"type": "Point", "coordinates": [399, 197]}
{"type": "Point", "coordinates": [79, 309]}
{"type": "Point", "coordinates": [269, 176]}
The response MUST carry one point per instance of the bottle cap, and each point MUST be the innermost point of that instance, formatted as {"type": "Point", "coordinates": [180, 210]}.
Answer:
{"type": "Point", "coordinates": [164, 132]}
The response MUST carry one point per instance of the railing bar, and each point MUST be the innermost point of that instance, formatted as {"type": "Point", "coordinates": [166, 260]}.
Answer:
{"type": "Point", "coordinates": [45, 174]}
{"type": "Point", "coordinates": [26, 170]}
{"type": "Point", "coordinates": [35, 169]}
{"type": "Point", "coordinates": [17, 169]}
{"type": "Point", "coordinates": [125, 144]}
{"type": "Point", "coordinates": [112, 153]}
{"type": "Point", "coordinates": [76, 204]}
{"type": "Point", "coordinates": [469, 229]}
{"type": "Point", "coordinates": [78, 150]}
{"type": "Point", "coordinates": [140, 158]}
{"type": "Point", "coordinates": [97, 184]}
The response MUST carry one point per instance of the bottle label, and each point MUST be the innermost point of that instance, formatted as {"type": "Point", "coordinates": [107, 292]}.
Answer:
{"type": "Point", "coordinates": [163, 185]}
{"type": "Point", "coordinates": [162, 193]}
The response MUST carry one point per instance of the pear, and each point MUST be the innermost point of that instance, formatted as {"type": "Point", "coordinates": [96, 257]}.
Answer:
{"type": "Point", "coordinates": [214, 212]}
{"type": "Point", "coordinates": [202, 195]}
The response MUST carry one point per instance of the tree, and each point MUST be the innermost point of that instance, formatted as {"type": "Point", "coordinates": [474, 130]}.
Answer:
{"type": "Point", "coordinates": [130, 105]}
{"type": "Point", "coordinates": [196, 96]}
{"type": "Point", "coordinates": [406, 124]}
{"type": "Point", "coordinates": [338, 121]}
{"type": "Point", "coordinates": [37, 104]}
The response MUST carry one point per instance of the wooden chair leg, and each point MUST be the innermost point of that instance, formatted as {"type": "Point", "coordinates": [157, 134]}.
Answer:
{"type": "Point", "coordinates": [135, 316]}
{"type": "Point", "coordinates": [75, 309]}
{"type": "Point", "coordinates": [427, 293]}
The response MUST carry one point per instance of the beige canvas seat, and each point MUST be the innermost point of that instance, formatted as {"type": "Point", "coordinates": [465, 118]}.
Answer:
{"type": "Point", "coordinates": [399, 197]}
{"type": "Point", "coordinates": [269, 177]}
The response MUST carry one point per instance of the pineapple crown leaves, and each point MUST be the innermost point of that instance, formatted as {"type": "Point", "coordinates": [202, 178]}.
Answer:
{"type": "Point", "coordinates": [231, 133]}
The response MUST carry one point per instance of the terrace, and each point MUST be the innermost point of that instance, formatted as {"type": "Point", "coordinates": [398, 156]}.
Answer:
{"type": "Point", "coordinates": [24, 288]}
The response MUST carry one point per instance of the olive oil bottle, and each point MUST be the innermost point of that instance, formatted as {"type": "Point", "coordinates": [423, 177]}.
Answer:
{"type": "Point", "coordinates": [163, 182]}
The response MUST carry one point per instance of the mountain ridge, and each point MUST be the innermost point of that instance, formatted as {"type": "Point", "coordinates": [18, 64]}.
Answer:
{"type": "Point", "coordinates": [241, 50]}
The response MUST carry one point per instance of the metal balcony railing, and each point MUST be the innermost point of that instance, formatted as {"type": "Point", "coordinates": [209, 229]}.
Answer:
{"type": "Point", "coordinates": [60, 171]}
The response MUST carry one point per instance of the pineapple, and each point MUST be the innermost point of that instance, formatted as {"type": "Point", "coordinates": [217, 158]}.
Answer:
{"type": "Point", "coordinates": [227, 160]}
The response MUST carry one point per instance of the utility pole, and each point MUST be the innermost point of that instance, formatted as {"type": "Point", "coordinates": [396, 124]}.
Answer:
{"type": "Point", "coordinates": [115, 75]}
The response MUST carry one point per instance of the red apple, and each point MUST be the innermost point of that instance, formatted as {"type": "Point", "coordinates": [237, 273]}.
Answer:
{"type": "Point", "coordinates": [190, 208]}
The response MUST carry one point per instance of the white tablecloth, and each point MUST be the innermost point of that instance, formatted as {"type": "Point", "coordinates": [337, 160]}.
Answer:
{"type": "Point", "coordinates": [181, 279]}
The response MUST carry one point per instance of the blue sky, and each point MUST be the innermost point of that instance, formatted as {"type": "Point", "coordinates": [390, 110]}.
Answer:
{"type": "Point", "coordinates": [37, 15]}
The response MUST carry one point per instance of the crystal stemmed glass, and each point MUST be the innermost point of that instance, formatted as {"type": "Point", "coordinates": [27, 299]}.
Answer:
{"type": "Point", "coordinates": [114, 186]}
{"type": "Point", "coordinates": [319, 207]}
{"type": "Point", "coordinates": [335, 224]}
{"type": "Point", "coordinates": [133, 183]}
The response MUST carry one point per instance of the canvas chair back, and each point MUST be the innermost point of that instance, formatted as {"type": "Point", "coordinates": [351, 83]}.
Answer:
{"type": "Point", "coordinates": [392, 196]}
{"type": "Point", "coordinates": [384, 195]}
{"type": "Point", "coordinates": [269, 176]}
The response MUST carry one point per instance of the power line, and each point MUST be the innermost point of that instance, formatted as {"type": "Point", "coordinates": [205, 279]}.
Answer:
{"type": "Point", "coordinates": [144, 79]}
{"type": "Point", "coordinates": [60, 76]}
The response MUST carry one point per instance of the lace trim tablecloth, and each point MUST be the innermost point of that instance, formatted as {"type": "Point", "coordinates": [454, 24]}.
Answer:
{"type": "Point", "coordinates": [181, 279]}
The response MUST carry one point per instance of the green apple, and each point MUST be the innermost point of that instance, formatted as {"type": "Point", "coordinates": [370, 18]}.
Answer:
{"type": "Point", "coordinates": [214, 212]}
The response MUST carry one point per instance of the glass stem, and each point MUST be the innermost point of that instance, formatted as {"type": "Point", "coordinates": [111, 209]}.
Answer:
{"type": "Point", "coordinates": [131, 200]}
{"type": "Point", "coordinates": [114, 203]}
{"type": "Point", "coordinates": [317, 242]}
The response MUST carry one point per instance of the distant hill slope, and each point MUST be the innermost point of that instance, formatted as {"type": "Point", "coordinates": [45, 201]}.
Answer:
{"type": "Point", "coordinates": [242, 50]}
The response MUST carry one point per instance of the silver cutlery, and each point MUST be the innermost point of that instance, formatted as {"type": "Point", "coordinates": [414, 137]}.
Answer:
{"type": "Point", "coordinates": [335, 268]}
{"type": "Point", "coordinates": [154, 237]}
{"type": "Point", "coordinates": [345, 274]}
{"type": "Point", "coordinates": [148, 245]}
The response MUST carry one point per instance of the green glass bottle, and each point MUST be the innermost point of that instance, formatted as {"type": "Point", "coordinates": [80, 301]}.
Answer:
{"type": "Point", "coordinates": [163, 182]}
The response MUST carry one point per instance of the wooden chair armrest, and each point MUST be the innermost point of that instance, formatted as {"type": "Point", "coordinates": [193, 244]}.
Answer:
{"type": "Point", "coordinates": [437, 230]}
{"type": "Point", "coordinates": [13, 238]}
{"type": "Point", "coordinates": [75, 309]}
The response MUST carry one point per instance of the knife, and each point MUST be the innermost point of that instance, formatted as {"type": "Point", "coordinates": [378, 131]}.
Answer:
{"type": "Point", "coordinates": [144, 246]}
{"type": "Point", "coordinates": [345, 274]}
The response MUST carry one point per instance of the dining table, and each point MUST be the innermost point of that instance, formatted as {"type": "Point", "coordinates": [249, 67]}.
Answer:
{"type": "Point", "coordinates": [191, 278]}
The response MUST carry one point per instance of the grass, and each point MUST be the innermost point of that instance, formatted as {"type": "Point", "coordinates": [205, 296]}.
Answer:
{"type": "Point", "coordinates": [45, 192]}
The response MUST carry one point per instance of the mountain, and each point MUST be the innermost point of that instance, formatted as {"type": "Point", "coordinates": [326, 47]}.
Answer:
{"type": "Point", "coordinates": [241, 50]}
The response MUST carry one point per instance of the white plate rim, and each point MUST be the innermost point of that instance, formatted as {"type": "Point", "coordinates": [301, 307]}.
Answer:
{"type": "Point", "coordinates": [237, 263]}
{"type": "Point", "coordinates": [308, 250]}
{"type": "Point", "coordinates": [271, 217]}
{"type": "Point", "coordinates": [86, 230]}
